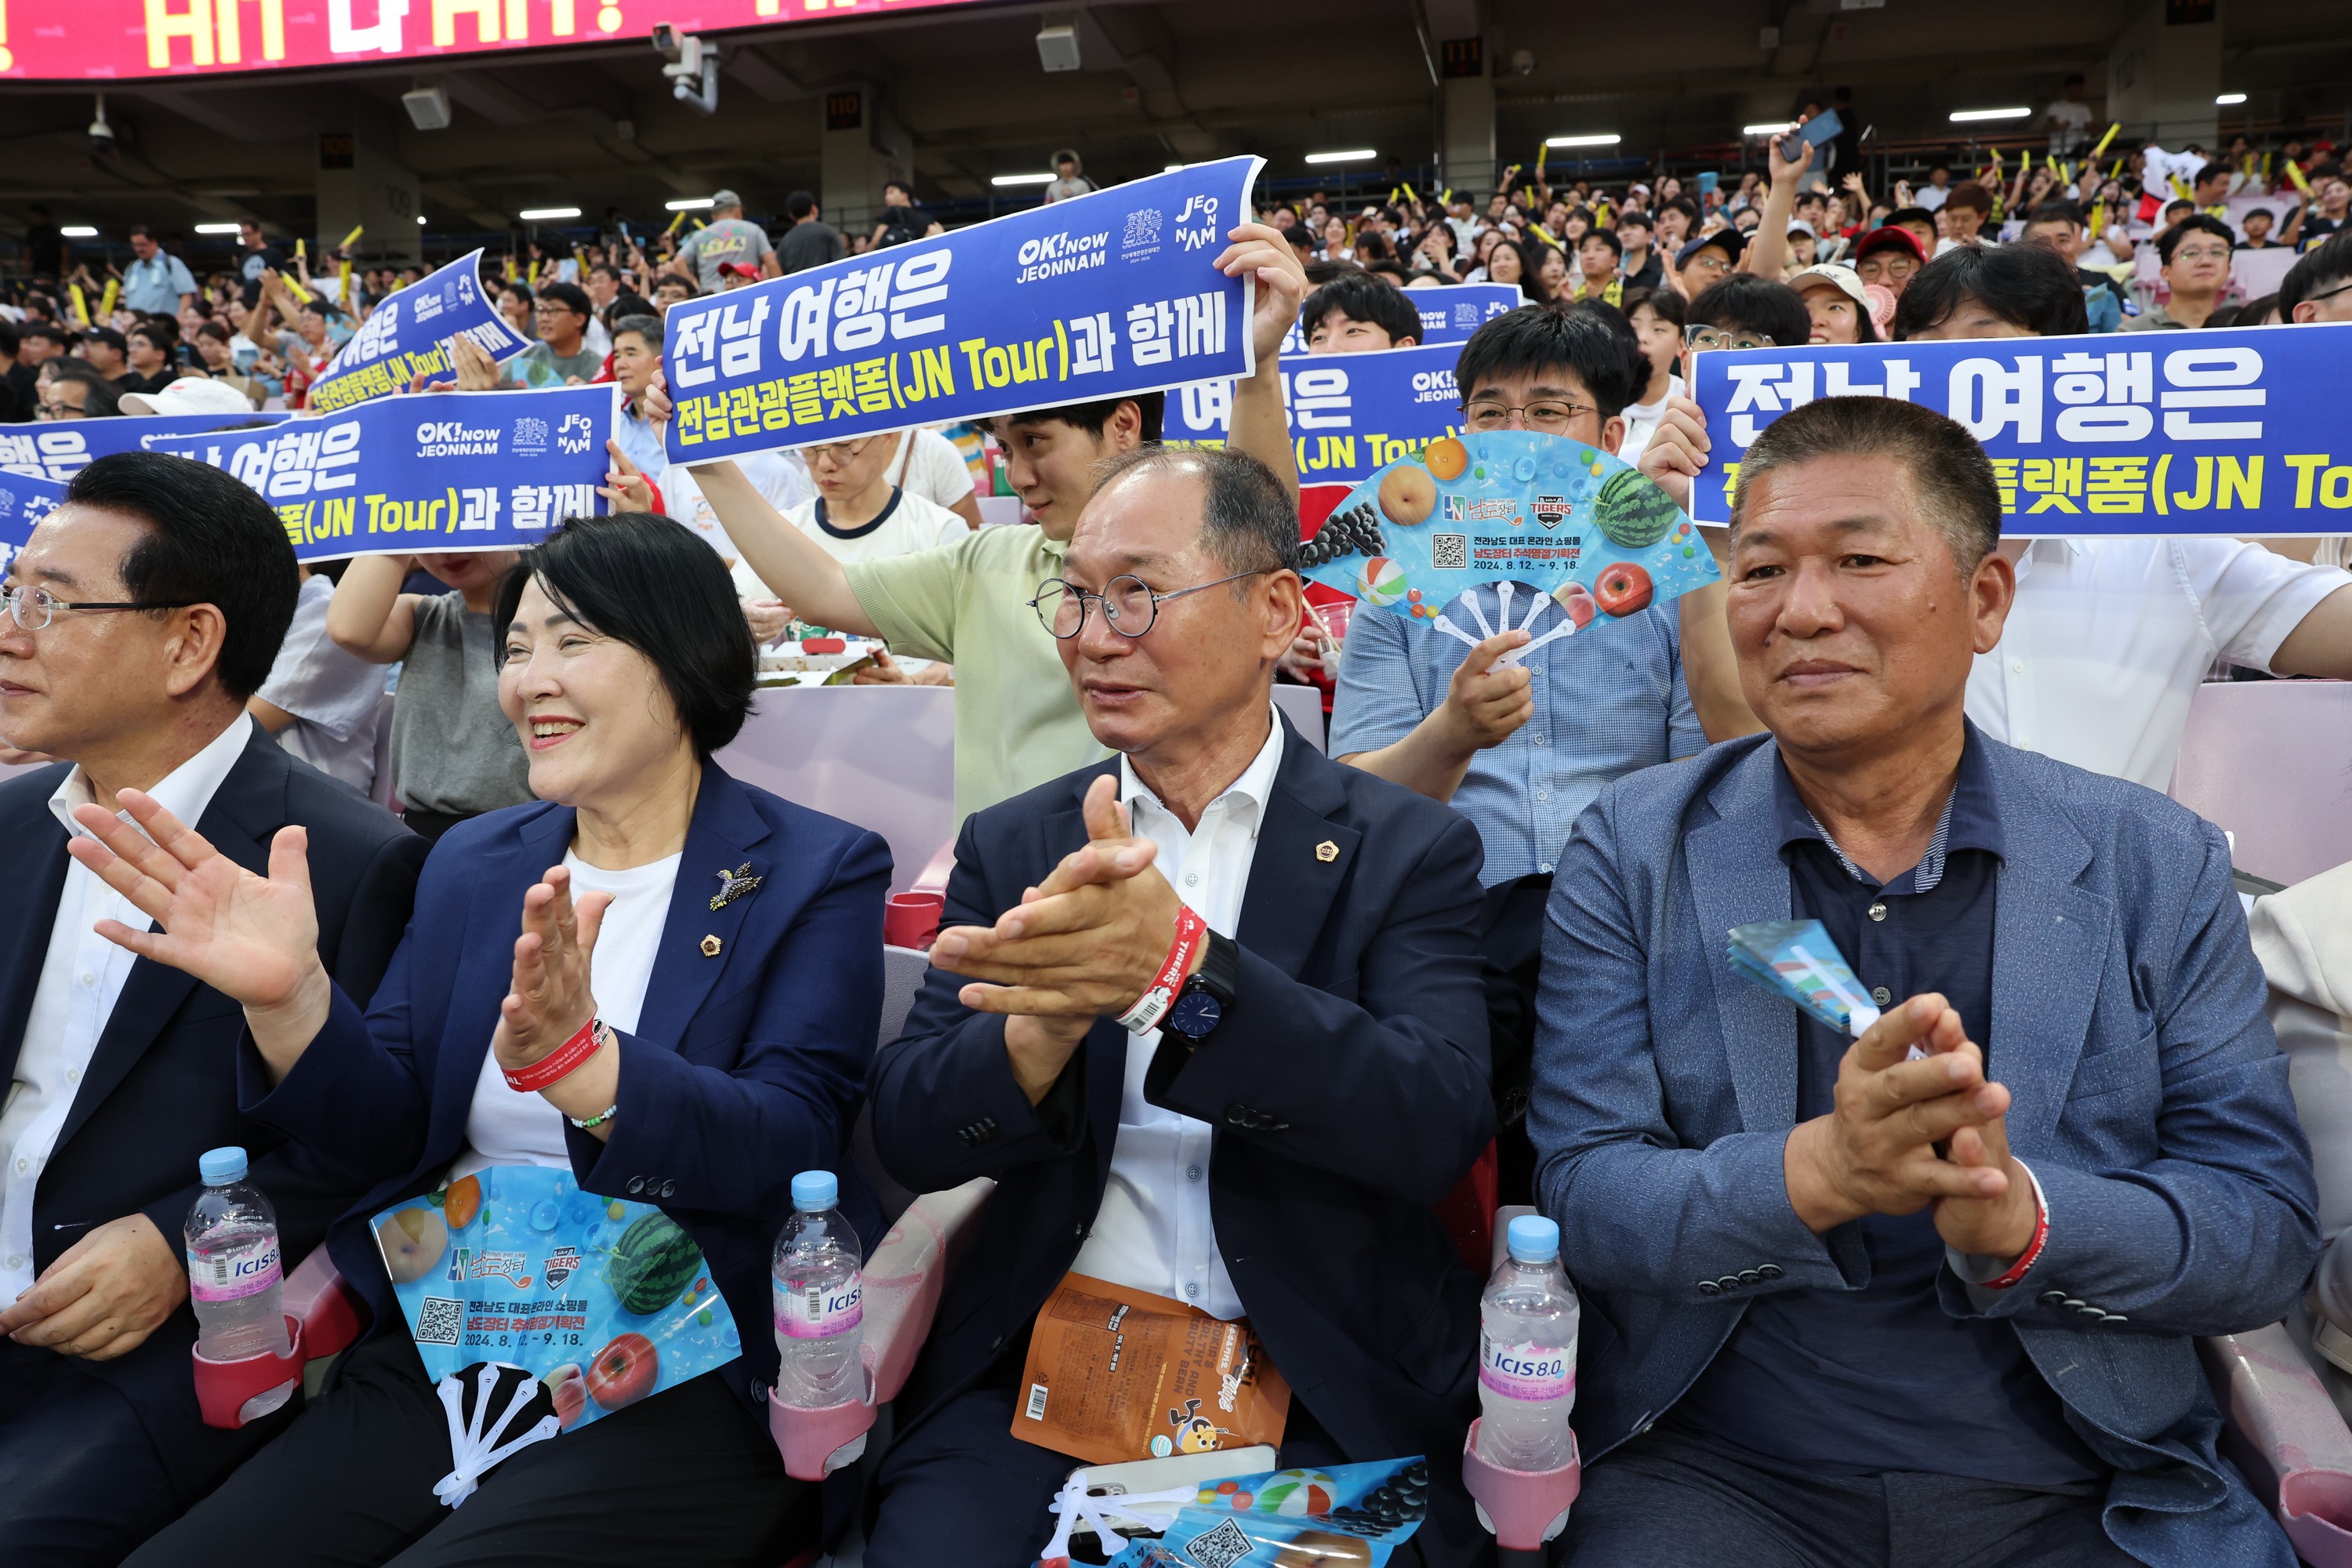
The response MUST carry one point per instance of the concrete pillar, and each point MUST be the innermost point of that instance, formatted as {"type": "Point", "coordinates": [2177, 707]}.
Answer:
{"type": "Point", "coordinates": [360, 180]}
{"type": "Point", "coordinates": [1465, 95]}
{"type": "Point", "coordinates": [2164, 72]}
{"type": "Point", "coordinates": [861, 144]}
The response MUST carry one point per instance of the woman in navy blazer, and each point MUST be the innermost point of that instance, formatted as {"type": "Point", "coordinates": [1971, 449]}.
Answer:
{"type": "Point", "coordinates": [744, 955]}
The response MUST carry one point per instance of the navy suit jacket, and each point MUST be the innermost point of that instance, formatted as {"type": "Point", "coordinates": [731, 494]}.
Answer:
{"type": "Point", "coordinates": [1347, 1085]}
{"type": "Point", "coordinates": [160, 1088]}
{"type": "Point", "coordinates": [744, 1068]}
{"type": "Point", "coordinates": [2148, 1094]}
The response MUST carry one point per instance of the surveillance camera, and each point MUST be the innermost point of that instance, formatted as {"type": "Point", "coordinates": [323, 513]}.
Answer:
{"type": "Point", "coordinates": [1523, 61]}
{"type": "Point", "coordinates": [665, 41]}
{"type": "Point", "coordinates": [101, 134]}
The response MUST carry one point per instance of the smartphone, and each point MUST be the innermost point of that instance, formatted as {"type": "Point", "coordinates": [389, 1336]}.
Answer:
{"type": "Point", "coordinates": [1822, 127]}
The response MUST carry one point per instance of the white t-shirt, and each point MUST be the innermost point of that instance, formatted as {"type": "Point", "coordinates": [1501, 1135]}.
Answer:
{"type": "Point", "coordinates": [779, 477]}
{"type": "Point", "coordinates": [927, 465]}
{"type": "Point", "coordinates": [909, 524]}
{"type": "Point", "coordinates": [505, 1127]}
{"type": "Point", "coordinates": [1929, 197]}
{"type": "Point", "coordinates": [1642, 422]}
{"type": "Point", "coordinates": [2109, 639]}
{"type": "Point", "coordinates": [2067, 122]}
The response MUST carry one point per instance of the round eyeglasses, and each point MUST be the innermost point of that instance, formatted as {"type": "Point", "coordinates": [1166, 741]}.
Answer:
{"type": "Point", "coordinates": [1130, 605]}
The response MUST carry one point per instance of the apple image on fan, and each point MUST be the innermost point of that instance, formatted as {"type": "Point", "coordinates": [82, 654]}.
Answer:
{"type": "Point", "coordinates": [1576, 600]}
{"type": "Point", "coordinates": [624, 1372]}
{"type": "Point", "coordinates": [412, 1241]}
{"type": "Point", "coordinates": [569, 1389]}
{"type": "Point", "coordinates": [1622, 590]}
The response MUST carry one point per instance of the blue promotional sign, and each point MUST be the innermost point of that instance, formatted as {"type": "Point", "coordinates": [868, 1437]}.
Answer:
{"type": "Point", "coordinates": [1349, 413]}
{"type": "Point", "coordinates": [604, 1300]}
{"type": "Point", "coordinates": [1449, 313]}
{"type": "Point", "coordinates": [55, 451]}
{"type": "Point", "coordinates": [24, 500]}
{"type": "Point", "coordinates": [1107, 294]}
{"type": "Point", "coordinates": [446, 471]}
{"type": "Point", "coordinates": [2167, 433]}
{"type": "Point", "coordinates": [1508, 507]}
{"type": "Point", "coordinates": [408, 335]}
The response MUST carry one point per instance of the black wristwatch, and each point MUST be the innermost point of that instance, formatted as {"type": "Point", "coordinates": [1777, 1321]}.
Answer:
{"type": "Point", "coordinates": [1201, 1006]}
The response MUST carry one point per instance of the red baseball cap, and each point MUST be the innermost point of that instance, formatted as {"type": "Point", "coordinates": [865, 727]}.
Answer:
{"type": "Point", "coordinates": [1889, 237]}
{"type": "Point", "coordinates": [739, 270]}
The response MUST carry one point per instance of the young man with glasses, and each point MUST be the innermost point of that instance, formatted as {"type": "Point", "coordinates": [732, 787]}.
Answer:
{"type": "Point", "coordinates": [2196, 254]}
{"type": "Point", "coordinates": [968, 602]}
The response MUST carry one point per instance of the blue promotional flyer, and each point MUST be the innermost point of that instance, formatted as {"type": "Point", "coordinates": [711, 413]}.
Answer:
{"type": "Point", "coordinates": [1505, 509]}
{"type": "Point", "coordinates": [408, 335]}
{"type": "Point", "coordinates": [24, 500]}
{"type": "Point", "coordinates": [56, 451]}
{"type": "Point", "coordinates": [2233, 431]}
{"type": "Point", "coordinates": [1105, 294]}
{"type": "Point", "coordinates": [604, 1300]}
{"type": "Point", "coordinates": [448, 471]}
{"type": "Point", "coordinates": [1450, 313]}
{"type": "Point", "coordinates": [1349, 413]}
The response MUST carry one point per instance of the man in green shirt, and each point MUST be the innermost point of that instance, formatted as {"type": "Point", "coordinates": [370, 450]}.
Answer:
{"type": "Point", "coordinates": [1017, 721]}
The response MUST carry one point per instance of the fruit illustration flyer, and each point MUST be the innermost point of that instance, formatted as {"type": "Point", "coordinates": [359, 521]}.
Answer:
{"type": "Point", "coordinates": [603, 1301]}
{"type": "Point", "coordinates": [1565, 521]}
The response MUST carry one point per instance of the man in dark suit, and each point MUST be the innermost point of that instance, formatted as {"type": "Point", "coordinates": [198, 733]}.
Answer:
{"type": "Point", "coordinates": [140, 616]}
{"type": "Point", "coordinates": [1317, 1080]}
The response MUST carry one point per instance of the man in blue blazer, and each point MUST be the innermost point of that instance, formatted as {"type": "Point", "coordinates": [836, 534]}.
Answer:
{"type": "Point", "coordinates": [123, 1070]}
{"type": "Point", "coordinates": [1316, 1078]}
{"type": "Point", "coordinates": [1929, 1296]}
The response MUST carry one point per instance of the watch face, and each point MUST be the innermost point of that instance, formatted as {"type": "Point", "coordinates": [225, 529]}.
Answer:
{"type": "Point", "coordinates": [1196, 1013]}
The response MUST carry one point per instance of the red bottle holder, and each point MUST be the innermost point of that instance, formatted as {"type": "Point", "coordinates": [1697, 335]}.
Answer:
{"type": "Point", "coordinates": [1523, 1507]}
{"type": "Point", "coordinates": [225, 1388]}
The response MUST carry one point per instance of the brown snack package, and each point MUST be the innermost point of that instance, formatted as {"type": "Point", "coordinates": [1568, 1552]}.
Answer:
{"type": "Point", "coordinates": [1115, 1374]}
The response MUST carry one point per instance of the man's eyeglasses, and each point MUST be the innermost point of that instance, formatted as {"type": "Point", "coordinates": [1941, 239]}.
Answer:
{"type": "Point", "coordinates": [1130, 605]}
{"type": "Point", "coordinates": [2200, 253]}
{"type": "Point", "coordinates": [33, 608]}
{"type": "Point", "coordinates": [1707, 339]}
{"type": "Point", "coordinates": [838, 451]}
{"type": "Point", "coordinates": [2327, 294]}
{"type": "Point", "coordinates": [1710, 262]}
{"type": "Point", "coordinates": [1545, 414]}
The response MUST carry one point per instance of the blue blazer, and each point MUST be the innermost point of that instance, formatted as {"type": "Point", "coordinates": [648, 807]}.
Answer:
{"type": "Point", "coordinates": [1348, 1086]}
{"type": "Point", "coordinates": [745, 1067]}
{"type": "Point", "coordinates": [2148, 1096]}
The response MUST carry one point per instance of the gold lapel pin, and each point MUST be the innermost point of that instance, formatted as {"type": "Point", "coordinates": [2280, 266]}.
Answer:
{"type": "Point", "coordinates": [1327, 852]}
{"type": "Point", "coordinates": [710, 946]}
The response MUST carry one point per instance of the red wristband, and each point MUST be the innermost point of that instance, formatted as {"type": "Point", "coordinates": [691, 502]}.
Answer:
{"type": "Point", "coordinates": [1157, 999]}
{"type": "Point", "coordinates": [2016, 1271]}
{"type": "Point", "coordinates": [561, 1061]}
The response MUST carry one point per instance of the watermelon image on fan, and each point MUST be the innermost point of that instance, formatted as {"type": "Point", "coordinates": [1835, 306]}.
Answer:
{"type": "Point", "coordinates": [1450, 538]}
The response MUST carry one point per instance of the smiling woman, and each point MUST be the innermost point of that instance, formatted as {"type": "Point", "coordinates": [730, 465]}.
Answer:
{"type": "Point", "coordinates": [657, 1042]}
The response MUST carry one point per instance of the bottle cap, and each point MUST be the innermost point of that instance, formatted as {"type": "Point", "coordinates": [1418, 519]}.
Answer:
{"type": "Point", "coordinates": [219, 1167]}
{"type": "Point", "coordinates": [1534, 1239]}
{"type": "Point", "coordinates": [815, 1190]}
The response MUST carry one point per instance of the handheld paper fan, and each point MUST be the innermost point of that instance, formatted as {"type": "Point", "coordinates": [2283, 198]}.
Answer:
{"type": "Point", "coordinates": [1797, 960]}
{"type": "Point", "coordinates": [1507, 509]}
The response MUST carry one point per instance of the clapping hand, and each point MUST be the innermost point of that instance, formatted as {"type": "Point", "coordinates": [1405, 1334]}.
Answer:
{"type": "Point", "coordinates": [253, 939]}
{"type": "Point", "coordinates": [1084, 944]}
{"type": "Point", "coordinates": [548, 999]}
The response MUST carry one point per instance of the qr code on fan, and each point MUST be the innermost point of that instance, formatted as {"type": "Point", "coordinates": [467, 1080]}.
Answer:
{"type": "Point", "coordinates": [439, 1320]}
{"type": "Point", "coordinates": [1449, 552]}
{"type": "Point", "coordinates": [1219, 1548]}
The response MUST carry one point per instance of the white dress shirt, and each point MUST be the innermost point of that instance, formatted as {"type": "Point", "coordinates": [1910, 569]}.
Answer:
{"type": "Point", "coordinates": [1153, 1231]}
{"type": "Point", "coordinates": [2109, 639]}
{"type": "Point", "coordinates": [81, 977]}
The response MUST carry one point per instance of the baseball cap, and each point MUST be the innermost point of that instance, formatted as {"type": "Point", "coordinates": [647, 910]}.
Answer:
{"type": "Point", "coordinates": [725, 199]}
{"type": "Point", "coordinates": [106, 335]}
{"type": "Point", "coordinates": [1889, 237]}
{"type": "Point", "coordinates": [1799, 225]}
{"type": "Point", "coordinates": [1730, 241]}
{"type": "Point", "coordinates": [739, 270]}
{"type": "Point", "coordinates": [1832, 275]}
{"type": "Point", "coordinates": [189, 395]}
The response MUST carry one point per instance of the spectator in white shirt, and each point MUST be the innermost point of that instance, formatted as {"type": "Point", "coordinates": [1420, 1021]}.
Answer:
{"type": "Point", "coordinates": [925, 464]}
{"type": "Point", "coordinates": [2068, 120]}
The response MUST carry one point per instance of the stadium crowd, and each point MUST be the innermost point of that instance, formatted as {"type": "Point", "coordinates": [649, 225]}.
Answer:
{"type": "Point", "coordinates": [1929, 1295]}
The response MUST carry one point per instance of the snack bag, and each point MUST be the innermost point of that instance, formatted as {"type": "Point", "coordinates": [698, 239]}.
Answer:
{"type": "Point", "coordinates": [1509, 509]}
{"type": "Point", "coordinates": [1798, 960]}
{"type": "Point", "coordinates": [605, 1301]}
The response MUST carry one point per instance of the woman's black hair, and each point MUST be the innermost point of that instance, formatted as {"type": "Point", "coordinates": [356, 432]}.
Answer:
{"type": "Point", "coordinates": [653, 583]}
{"type": "Point", "coordinates": [2028, 286]}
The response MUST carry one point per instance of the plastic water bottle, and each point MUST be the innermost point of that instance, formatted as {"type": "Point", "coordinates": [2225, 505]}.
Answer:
{"type": "Point", "coordinates": [1527, 1353]}
{"type": "Point", "coordinates": [818, 1300]}
{"type": "Point", "coordinates": [235, 1276]}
